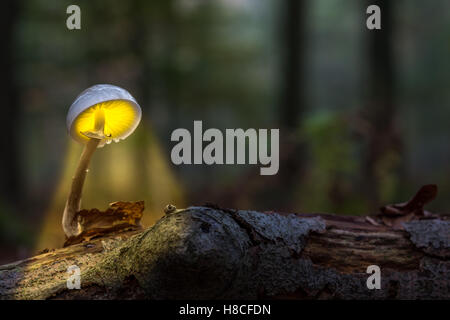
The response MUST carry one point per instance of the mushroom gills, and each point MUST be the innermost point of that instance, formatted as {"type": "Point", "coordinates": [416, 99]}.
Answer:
{"type": "Point", "coordinates": [117, 118]}
{"type": "Point", "coordinates": [99, 126]}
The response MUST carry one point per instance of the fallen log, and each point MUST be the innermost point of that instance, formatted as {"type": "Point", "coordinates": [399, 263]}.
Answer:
{"type": "Point", "coordinates": [213, 253]}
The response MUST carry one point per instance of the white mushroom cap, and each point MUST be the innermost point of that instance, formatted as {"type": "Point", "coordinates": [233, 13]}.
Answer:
{"type": "Point", "coordinates": [122, 113]}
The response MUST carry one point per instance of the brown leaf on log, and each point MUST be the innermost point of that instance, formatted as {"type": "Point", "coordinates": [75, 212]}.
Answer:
{"type": "Point", "coordinates": [425, 195]}
{"type": "Point", "coordinates": [394, 215]}
{"type": "Point", "coordinates": [119, 216]}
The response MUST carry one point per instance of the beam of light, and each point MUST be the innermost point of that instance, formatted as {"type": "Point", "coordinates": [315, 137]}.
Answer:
{"type": "Point", "coordinates": [51, 234]}
{"type": "Point", "coordinates": [163, 187]}
{"type": "Point", "coordinates": [135, 169]}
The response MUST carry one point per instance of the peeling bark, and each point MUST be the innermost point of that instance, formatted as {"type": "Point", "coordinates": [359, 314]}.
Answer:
{"type": "Point", "coordinates": [213, 253]}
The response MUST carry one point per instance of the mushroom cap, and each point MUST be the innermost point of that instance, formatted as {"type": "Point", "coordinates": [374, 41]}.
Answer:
{"type": "Point", "coordinates": [122, 113]}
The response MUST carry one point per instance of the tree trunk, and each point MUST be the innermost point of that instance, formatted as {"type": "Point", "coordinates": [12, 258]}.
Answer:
{"type": "Point", "coordinates": [212, 253]}
{"type": "Point", "coordinates": [384, 145]}
{"type": "Point", "coordinates": [293, 23]}
{"type": "Point", "coordinates": [10, 193]}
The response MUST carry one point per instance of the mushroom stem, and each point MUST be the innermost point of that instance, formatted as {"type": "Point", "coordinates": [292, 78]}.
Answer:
{"type": "Point", "coordinates": [73, 203]}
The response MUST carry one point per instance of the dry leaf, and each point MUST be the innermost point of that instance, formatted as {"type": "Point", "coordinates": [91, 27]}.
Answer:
{"type": "Point", "coordinates": [118, 217]}
{"type": "Point", "coordinates": [425, 195]}
{"type": "Point", "coordinates": [394, 215]}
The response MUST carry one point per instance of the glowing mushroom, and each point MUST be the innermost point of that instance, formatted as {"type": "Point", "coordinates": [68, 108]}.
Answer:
{"type": "Point", "coordinates": [99, 115]}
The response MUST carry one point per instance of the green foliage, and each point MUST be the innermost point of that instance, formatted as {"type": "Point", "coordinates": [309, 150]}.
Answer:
{"type": "Point", "coordinates": [333, 166]}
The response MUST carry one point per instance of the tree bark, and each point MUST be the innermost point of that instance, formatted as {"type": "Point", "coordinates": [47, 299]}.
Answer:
{"type": "Point", "coordinates": [213, 253]}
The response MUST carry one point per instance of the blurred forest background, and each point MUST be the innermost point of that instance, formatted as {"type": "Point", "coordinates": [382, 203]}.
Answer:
{"type": "Point", "coordinates": [363, 115]}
